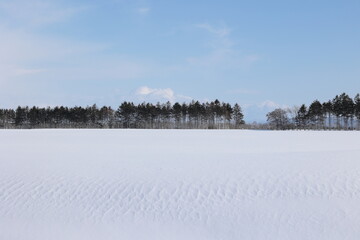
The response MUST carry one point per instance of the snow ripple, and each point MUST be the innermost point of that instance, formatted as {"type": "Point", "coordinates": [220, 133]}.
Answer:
{"type": "Point", "coordinates": [109, 200]}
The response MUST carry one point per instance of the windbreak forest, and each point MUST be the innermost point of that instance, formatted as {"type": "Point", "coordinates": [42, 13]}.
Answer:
{"type": "Point", "coordinates": [194, 115]}
{"type": "Point", "coordinates": [340, 113]}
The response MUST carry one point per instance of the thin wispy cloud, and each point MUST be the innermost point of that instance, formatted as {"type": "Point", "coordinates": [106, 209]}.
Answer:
{"type": "Point", "coordinates": [38, 12]}
{"type": "Point", "coordinates": [26, 53]}
{"type": "Point", "coordinates": [223, 52]}
{"type": "Point", "coordinates": [143, 11]}
{"type": "Point", "coordinates": [243, 91]}
{"type": "Point", "coordinates": [220, 32]}
{"type": "Point", "coordinates": [16, 71]}
{"type": "Point", "coordinates": [19, 45]}
{"type": "Point", "coordinates": [220, 36]}
{"type": "Point", "coordinates": [106, 69]}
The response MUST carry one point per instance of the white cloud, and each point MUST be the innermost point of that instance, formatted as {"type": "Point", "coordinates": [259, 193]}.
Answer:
{"type": "Point", "coordinates": [166, 93]}
{"type": "Point", "coordinates": [145, 91]}
{"type": "Point", "coordinates": [160, 94]}
{"type": "Point", "coordinates": [268, 104]}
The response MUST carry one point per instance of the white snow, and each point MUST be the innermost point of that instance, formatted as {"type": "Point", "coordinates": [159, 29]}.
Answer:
{"type": "Point", "coordinates": [179, 184]}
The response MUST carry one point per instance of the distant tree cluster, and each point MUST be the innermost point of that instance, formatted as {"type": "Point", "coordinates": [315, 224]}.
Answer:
{"type": "Point", "coordinates": [194, 115]}
{"type": "Point", "coordinates": [342, 112]}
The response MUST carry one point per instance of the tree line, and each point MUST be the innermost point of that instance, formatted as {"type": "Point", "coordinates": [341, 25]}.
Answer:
{"type": "Point", "coordinates": [193, 115]}
{"type": "Point", "coordinates": [341, 113]}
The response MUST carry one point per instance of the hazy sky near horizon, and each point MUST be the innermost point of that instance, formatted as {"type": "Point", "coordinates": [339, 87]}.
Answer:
{"type": "Point", "coordinates": [260, 54]}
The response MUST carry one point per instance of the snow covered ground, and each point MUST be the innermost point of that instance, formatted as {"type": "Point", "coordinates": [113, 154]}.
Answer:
{"type": "Point", "coordinates": [185, 184]}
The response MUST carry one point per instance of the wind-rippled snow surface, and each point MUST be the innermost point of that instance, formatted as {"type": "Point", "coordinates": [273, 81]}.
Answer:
{"type": "Point", "coordinates": [170, 185]}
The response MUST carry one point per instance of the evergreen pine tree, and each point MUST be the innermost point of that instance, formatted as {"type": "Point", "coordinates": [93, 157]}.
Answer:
{"type": "Point", "coordinates": [238, 116]}
{"type": "Point", "coordinates": [328, 110]}
{"type": "Point", "coordinates": [357, 109]}
{"type": "Point", "coordinates": [316, 114]}
{"type": "Point", "coordinates": [20, 116]}
{"type": "Point", "coordinates": [301, 119]}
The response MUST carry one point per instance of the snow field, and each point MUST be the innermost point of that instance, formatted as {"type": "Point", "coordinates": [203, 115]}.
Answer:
{"type": "Point", "coordinates": [179, 184]}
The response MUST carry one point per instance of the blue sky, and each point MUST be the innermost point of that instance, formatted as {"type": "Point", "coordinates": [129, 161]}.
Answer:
{"type": "Point", "coordinates": [260, 54]}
